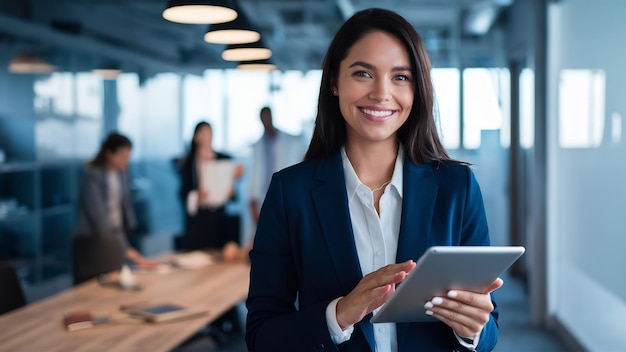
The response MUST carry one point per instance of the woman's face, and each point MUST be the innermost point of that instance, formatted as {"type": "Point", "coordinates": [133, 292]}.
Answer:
{"type": "Point", "coordinates": [375, 88]}
{"type": "Point", "coordinates": [203, 137]}
{"type": "Point", "coordinates": [118, 160]}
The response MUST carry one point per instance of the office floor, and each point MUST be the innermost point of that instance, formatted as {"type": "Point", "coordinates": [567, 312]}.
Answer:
{"type": "Point", "coordinates": [516, 332]}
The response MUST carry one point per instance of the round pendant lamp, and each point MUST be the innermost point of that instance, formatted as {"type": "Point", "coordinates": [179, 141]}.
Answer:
{"type": "Point", "coordinates": [246, 52]}
{"type": "Point", "coordinates": [199, 11]}
{"type": "Point", "coordinates": [107, 71]}
{"type": "Point", "coordinates": [238, 31]}
{"type": "Point", "coordinates": [25, 62]}
{"type": "Point", "coordinates": [257, 65]}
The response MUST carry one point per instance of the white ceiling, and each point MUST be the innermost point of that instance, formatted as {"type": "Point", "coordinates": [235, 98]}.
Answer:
{"type": "Point", "coordinates": [78, 34]}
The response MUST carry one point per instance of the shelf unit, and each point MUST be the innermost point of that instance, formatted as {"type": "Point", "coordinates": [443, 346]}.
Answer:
{"type": "Point", "coordinates": [36, 234]}
{"type": "Point", "coordinates": [37, 199]}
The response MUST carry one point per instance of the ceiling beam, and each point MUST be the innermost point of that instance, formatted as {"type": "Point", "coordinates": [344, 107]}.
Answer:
{"type": "Point", "coordinates": [44, 34]}
{"type": "Point", "coordinates": [346, 8]}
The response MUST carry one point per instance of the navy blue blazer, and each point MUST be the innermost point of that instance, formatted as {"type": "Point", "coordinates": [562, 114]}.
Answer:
{"type": "Point", "coordinates": [304, 254]}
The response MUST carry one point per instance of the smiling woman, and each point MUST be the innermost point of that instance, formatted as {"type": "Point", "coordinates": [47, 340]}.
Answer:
{"type": "Point", "coordinates": [375, 91]}
{"type": "Point", "coordinates": [339, 230]}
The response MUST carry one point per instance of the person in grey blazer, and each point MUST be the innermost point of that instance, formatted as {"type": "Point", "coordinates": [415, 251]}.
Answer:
{"type": "Point", "coordinates": [104, 201]}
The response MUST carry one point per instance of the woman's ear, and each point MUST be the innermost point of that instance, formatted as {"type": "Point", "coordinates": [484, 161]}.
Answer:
{"type": "Point", "coordinates": [333, 87]}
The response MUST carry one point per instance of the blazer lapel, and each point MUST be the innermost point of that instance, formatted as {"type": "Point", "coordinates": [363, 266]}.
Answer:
{"type": "Point", "coordinates": [418, 200]}
{"type": "Point", "coordinates": [331, 203]}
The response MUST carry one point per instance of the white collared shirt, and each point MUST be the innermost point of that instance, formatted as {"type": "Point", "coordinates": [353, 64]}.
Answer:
{"type": "Point", "coordinates": [376, 239]}
{"type": "Point", "coordinates": [114, 199]}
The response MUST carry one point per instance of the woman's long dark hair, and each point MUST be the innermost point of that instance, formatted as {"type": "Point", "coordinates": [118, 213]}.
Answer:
{"type": "Point", "coordinates": [418, 135]}
{"type": "Point", "coordinates": [111, 144]}
{"type": "Point", "coordinates": [193, 148]}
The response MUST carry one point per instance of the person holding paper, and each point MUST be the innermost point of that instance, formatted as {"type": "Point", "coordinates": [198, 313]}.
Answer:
{"type": "Point", "coordinates": [104, 199]}
{"type": "Point", "coordinates": [339, 230]}
{"type": "Point", "coordinates": [207, 185]}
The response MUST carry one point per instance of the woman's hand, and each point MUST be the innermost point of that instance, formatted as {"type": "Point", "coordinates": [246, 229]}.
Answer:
{"type": "Point", "coordinates": [465, 312]}
{"type": "Point", "coordinates": [232, 252]}
{"type": "Point", "coordinates": [203, 195]}
{"type": "Point", "coordinates": [238, 170]}
{"type": "Point", "coordinates": [146, 263]}
{"type": "Point", "coordinates": [141, 261]}
{"type": "Point", "coordinates": [371, 292]}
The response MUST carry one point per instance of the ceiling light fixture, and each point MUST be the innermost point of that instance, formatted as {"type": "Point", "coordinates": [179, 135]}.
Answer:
{"type": "Point", "coordinates": [25, 62]}
{"type": "Point", "coordinates": [239, 31]}
{"type": "Point", "coordinates": [259, 65]}
{"type": "Point", "coordinates": [108, 71]}
{"type": "Point", "coordinates": [246, 52]}
{"type": "Point", "coordinates": [199, 11]}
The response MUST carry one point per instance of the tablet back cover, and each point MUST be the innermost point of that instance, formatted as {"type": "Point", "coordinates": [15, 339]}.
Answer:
{"type": "Point", "coordinates": [443, 268]}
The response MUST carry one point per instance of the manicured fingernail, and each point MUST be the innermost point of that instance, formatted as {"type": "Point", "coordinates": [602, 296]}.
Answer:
{"type": "Point", "coordinates": [428, 312]}
{"type": "Point", "coordinates": [437, 300]}
{"type": "Point", "coordinates": [428, 305]}
{"type": "Point", "coordinates": [453, 294]}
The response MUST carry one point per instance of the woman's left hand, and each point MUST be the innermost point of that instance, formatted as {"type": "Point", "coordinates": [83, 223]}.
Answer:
{"type": "Point", "coordinates": [238, 170]}
{"type": "Point", "coordinates": [465, 312]}
{"type": "Point", "coordinates": [146, 263]}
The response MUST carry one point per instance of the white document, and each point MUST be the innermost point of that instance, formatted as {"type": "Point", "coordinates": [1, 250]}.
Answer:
{"type": "Point", "coordinates": [218, 179]}
{"type": "Point", "coordinates": [192, 260]}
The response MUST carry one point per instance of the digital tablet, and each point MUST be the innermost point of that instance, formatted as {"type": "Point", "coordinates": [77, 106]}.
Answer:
{"type": "Point", "coordinates": [443, 268]}
{"type": "Point", "coordinates": [165, 312]}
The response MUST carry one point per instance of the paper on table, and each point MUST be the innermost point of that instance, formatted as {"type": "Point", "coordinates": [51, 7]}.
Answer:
{"type": "Point", "coordinates": [192, 260]}
{"type": "Point", "coordinates": [218, 179]}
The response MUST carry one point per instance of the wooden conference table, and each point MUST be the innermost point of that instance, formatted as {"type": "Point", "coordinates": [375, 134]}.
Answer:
{"type": "Point", "coordinates": [38, 326]}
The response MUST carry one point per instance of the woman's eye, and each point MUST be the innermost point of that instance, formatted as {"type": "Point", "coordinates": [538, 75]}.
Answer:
{"type": "Point", "coordinates": [402, 78]}
{"type": "Point", "coordinates": [362, 74]}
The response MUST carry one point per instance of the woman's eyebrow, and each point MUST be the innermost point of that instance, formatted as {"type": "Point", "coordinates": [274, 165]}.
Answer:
{"type": "Point", "coordinates": [372, 67]}
{"type": "Point", "coordinates": [364, 64]}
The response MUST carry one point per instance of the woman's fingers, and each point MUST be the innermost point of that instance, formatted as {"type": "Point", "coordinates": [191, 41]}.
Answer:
{"type": "Point", "coordinates": [464, 311]}
{"type": "Point", "coordinates": [495, 285]}
{"type": "Point", "coordinates": [465, 319]}
{"type": "Point", "coordinates": [371, 292]}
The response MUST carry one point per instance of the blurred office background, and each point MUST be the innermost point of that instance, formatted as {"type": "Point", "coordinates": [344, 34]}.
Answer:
{"type": "Point", "coordinates": [530, 91]}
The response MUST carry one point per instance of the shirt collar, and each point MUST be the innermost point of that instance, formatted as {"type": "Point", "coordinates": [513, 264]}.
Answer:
{"type": "Point", "coordinates": [353, 182]}
{"type": "Point", "coordinates": [396, 179]}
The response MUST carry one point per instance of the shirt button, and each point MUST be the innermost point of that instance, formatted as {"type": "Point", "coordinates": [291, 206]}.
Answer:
{"type": "Point", "coordinates": [379, 253]}
{"type": "Point", "coordinates": [381, 329]}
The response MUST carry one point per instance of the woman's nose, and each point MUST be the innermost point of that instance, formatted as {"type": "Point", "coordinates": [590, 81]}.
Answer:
{"type": "Point", "coordinates": [381, 91]}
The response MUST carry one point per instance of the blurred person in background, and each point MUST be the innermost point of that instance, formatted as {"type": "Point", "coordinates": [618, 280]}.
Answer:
{"type": "Point", "coordinates": [207, 226]}
{"type": "Point", "coordinates": [274, 151]}
{"type": "Point", "coordinates": [104, 200]}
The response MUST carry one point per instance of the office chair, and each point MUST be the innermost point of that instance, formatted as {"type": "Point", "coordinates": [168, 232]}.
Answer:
{"type": "Point", "coordinates": [96, 255]}
{"type": "Point", "coordinates": [11, 294]}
